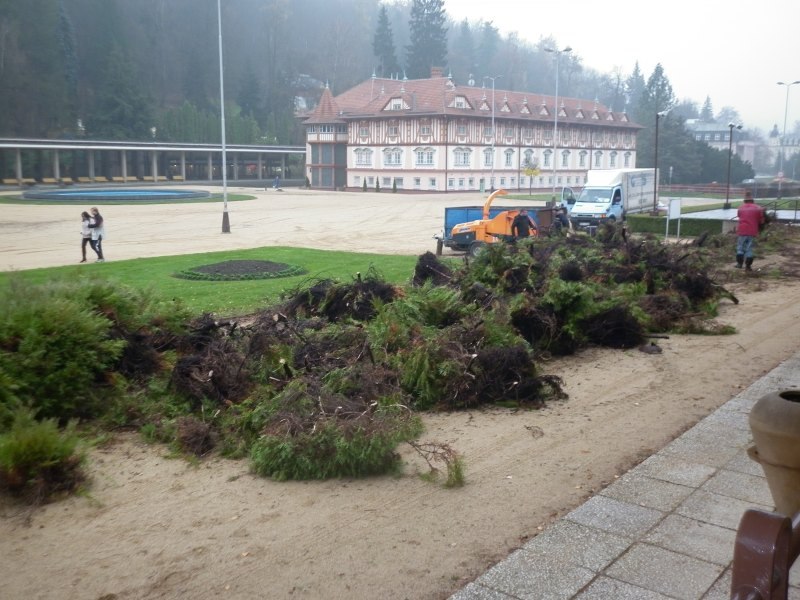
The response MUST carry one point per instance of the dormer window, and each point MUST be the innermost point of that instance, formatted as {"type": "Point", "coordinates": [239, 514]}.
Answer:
{"type": "Point", "coordinates": [461, 102]}
{"type": "Point", "coordinates": [396, 104]}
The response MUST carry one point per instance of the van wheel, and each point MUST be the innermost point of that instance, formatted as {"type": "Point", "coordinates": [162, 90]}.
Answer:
{"type": "Point", "coordinates": [475, 248]}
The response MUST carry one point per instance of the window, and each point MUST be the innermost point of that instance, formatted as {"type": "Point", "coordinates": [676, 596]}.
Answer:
{"type": "Point", "coordinates": [462, 157]}
{"type": "Point", "coordinates": [716, 137]}
{"type": "Point", "coordinates": [698, 137]}
{"type": "Point", "coordinates": [370, 180]}
{"type": "Point", "coordinates": [417, 182]}
{"type": "Point", "coordinates": [509, 158]}
{"type": "Point", "coordinates": [393, 130]}
{"type": "Point", "coordinates": [392, 157]}
{"type": "Point", "coordinates": [461, 129]}
{"type": "Point", "coordinates": [312, 129]}
{"type": "Point", "coordinates": [363, 157]}
{"type": "Point", "coordinates": [357, 180]}
{"type": "Point", "coordinates": [598, 159]}
{"type": "Point", "coordinates": [387, 181]}
{"type": "Point", "coordinates": [548, 136]}
{"type": "Point", "coordinates": [529, 162]}
{"type": "Point", "coordinates": [508, 132]}
{"type": "Point", "coordinates": [398, 181]}
{"type": "Point", "coordinates": [341, 129]}
{"type": "Point", "coordinates": [488, 131]}
{"type": "Point", "coordinates": [612, 161]}
{"type": "Point", "coordinates": [548, 156]}
{"type": "Point", "coordinates": [627, 159]}
{"type": "Point", "coordinates": [326, 128]}
{"type": "Point", "coordinates": [582, 159]}
{"type": "Point", "coordinates": [502, 182]}
{"type": "Point", "coordinates": [565, 158]}
{"type": "Point", "coordinates": [425, 130]}
{"type": "Point", "coordinates": [513, 179]}
{"type": "Point", "coordinates": [461, 183]}
{"type": "Point", "coordinates": [432, 183]}
{"type": "Point", "coordinates": [363, 131]}
{"type": "Point", "coordinates": [397, 104]}
{"type": "Point", "coordinates": [461, 102]}
{"type": "Point", "coordinates": [424, 156]}
{"type": "Point", "coordinates": [527, 132]}
{"type": "Point", "coordinates": [487, 157]}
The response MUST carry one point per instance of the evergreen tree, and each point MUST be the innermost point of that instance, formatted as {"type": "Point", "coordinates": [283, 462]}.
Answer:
{"type": "Point", "coordinates": [634, 89]}
{"type": "Point", "coordinates": [462, 54]}
{"type": "Point", "coordinates": [707, 112]}
{"type": "Point", "coordinates": [383, 46]}
{"type": "Point", "coordinates": [487, 50]}
{"type": "Point", "coordinates": [123, 110]}
{"type": "Point", "coordinates": [428, 47]}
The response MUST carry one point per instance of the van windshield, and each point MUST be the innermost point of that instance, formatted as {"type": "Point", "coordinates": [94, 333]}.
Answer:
{"type": "Point", "coordinates": [595, 195]}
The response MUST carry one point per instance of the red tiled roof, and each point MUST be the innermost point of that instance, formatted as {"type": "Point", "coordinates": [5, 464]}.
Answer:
{"type": "Point", "coordinates": [327, 111]}
{"type": "Point", "coordinates": [437, 96]}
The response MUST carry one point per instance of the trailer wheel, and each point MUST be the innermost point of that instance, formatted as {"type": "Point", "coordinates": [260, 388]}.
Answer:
{"type": "Point", "coordinates": [475, 248]}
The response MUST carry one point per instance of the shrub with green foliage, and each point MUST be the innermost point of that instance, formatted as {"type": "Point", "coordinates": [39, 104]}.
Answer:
{"type": "Point", "coordinates": [38, 460]}
{"type": "Point", "coordinates": [60, 341]}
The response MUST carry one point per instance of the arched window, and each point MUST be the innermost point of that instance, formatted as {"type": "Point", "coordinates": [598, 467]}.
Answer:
{"type": "Point", "coordinates": [424, 156]}
{"type": "Point", "coordinates": [462, 157]}
{"type": "Point", "coordinates": [392, 157]}
{"type": "Point", "coordinates": [363, 157]}
{"type": "Point", "coordinates": [548, 156]}
{"type": "Point", "coordinates": [612, 161]}
{"type": "Point", "coordinates": [565, 158]}
{"type": "Point", "coordinates": [488, 159]}
{"type": "Point", "coordinates": [582, 158]}
{"type": "Point", "coordinates": [509, 157]}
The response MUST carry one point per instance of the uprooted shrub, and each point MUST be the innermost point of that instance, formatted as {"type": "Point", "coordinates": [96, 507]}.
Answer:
{"type": "Point", "coordinates": [313, 434]}
{"type": "Point", "coordinates": [37, 460]}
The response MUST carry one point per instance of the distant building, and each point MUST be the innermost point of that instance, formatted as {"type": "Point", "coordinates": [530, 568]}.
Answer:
{"type": "Point", "coordinates": [717, 135]}
{"type": "Point", "coordinates": [432, 135]}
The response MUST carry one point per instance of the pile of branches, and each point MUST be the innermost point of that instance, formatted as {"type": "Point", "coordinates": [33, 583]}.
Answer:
{"type": "Point", "coordinates": [328, 382]}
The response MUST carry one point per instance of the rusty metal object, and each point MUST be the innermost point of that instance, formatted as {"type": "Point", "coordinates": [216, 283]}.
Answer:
{"type": "Point", "coordinates": [767, 544]}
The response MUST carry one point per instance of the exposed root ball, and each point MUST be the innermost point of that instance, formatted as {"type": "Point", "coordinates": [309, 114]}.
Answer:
{"type": "Point", "coordinates": [613, 328]}
{"type": "Point", "coordinates": [430, 268]}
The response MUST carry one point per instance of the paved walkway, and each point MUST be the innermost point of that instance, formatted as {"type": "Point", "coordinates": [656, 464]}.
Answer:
{"type": "Point", "coordinates": [666, 529]}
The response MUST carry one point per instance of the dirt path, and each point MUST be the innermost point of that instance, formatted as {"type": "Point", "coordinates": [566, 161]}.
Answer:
{"type": "Point", "coordinates": [154, 527]}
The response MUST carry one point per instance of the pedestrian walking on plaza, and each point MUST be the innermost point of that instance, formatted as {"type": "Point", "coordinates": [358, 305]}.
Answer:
{"type": "Point", "coordinates": [751, 221]}
{"type": "Point", "coordinates": [86, 234]}
{"type": "Point", "coordinates": [98, 233]}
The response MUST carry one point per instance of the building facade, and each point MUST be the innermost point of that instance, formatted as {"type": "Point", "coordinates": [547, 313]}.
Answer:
{"type": "Point", "coordinates": [432, 135]}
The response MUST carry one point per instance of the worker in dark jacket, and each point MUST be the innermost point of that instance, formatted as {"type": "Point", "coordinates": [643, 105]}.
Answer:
{"type": "Point", "coordinates": [751, 220]}
{"type": "Point", "coordinates": [522, 225]}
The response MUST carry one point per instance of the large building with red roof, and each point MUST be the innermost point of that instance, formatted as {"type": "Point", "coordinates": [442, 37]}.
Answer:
{"type": "Point", "coordinates": [433, 135]}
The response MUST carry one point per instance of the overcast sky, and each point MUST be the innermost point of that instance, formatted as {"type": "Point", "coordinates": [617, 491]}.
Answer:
{"type": "Point", "coordinates": [732, 51]}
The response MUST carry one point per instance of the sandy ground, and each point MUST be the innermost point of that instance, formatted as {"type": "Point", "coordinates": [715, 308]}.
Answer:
{"type": "Point", "coordinates": [154, 527]}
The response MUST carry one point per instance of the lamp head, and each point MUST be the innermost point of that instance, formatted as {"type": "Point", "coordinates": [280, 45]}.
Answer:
{"type": "Point", "coordinates": [732, 125]}
{"type": "Point", "coordinates": [662, 113]}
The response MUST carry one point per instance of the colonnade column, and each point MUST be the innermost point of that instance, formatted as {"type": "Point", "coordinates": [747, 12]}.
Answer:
{"type": "Point", "coordinates": [154, 165]}
{"type": "Point", "coordinates": [56, 166]}
{"type": "Point", "coordinates": [18, 164]}
{"type": "Point", "coordinates": [90, 156]}
{"type": "Point", "coordinates": [183, 165]}
{"type": "Point", "coordinates": [124, 160]}
{"type": "Point", "coordinates": [210, 166]}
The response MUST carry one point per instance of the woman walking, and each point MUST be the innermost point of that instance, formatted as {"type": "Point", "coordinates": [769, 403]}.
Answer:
{"type": "Point", "coordinates": [98, 232]}
{"type": "Point", "coordinates": [86, 234]}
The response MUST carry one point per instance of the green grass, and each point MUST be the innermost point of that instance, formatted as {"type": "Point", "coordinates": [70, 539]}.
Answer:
{"type": "Point", "coordinates": [18, 199]}
{"type": "Point", "coordinates": [230, 298]}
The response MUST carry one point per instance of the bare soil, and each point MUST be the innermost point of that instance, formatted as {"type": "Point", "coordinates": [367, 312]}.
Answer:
{"type": "Point", "coordinates": [151, 526]}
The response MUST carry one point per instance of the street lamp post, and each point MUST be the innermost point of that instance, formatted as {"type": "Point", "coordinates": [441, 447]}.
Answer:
{"type": "Point", "coordinates": [558, 54]}
{"type": "Point", "coordinates": [731, 126]}
{"type": "Point", "coordinates": [660, 114]}
{"type": "Point", "coordinates": [226, 224]}
{"type": "Point", "coordinates": [494, 134]}
{"type": "Point", "coordinates": [783, 138]}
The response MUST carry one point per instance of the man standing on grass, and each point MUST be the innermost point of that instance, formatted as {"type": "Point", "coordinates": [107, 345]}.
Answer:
{"type": "Point", "coordinates": [751, 220]}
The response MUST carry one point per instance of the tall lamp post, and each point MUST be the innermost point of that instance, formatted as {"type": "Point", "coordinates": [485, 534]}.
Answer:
{"type": "Point", "coordinates": [660, 114]}
{"type": "Point", "coordinates": [558, 54]}
{"type": "Point", "coordinates": [494, 134]}
{"type": "Point", "coordinates": [226, 223]}
{"type": "Point", "coordinates": [783, 138]}
{"type": "Point", "coordinates": [731, 127]}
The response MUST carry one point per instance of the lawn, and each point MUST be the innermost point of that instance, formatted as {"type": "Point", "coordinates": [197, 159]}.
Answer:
{"type": "Point", "coordinates": [231, 298]}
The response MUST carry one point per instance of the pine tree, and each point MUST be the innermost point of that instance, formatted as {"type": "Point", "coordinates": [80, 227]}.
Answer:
{"type": "Point", "coordinates": [428, 45]}
{"type": "Point", "coordinates": [707, 112]}
{"type": "Point", "coordinates": [383, 46]}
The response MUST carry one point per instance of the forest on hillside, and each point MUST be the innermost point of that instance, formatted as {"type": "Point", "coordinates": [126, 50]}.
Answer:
{"type": "Point", "coordinates": [149, 69]}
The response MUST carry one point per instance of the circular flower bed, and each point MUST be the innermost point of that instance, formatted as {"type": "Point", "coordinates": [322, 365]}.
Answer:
{"type": "Point", "coordinates": [240, 270]}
